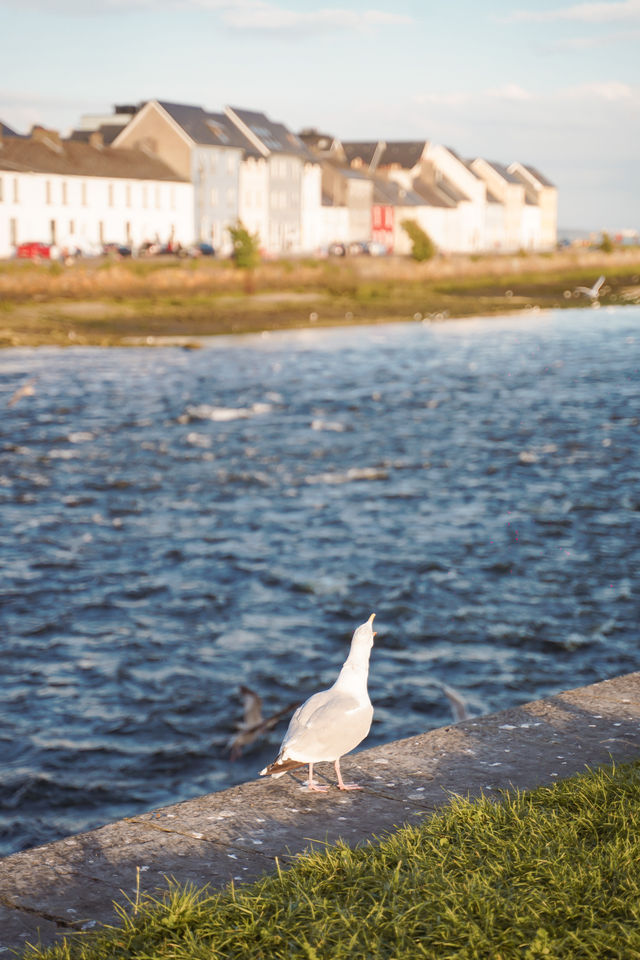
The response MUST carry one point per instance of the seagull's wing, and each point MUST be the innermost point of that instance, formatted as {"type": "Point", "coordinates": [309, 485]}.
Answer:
{"type": "Point", "coordinates": [252, 707]}
{"type": "Point", "coordinates": [586, 290]}
{"type": "Point", "coordinates": [327, 726]}
{"type": "Point", "coordinates": [597, 285]}
{"type": "Point", "coordinates": [456, 702]}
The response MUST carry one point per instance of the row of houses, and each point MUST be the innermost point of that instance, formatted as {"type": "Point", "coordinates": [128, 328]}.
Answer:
{"type": "Point", "coordinates": [177, 174]}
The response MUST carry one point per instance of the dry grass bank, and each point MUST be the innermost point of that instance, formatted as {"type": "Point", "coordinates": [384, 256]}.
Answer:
{"type": "Point", "coordinates": [106, 302]}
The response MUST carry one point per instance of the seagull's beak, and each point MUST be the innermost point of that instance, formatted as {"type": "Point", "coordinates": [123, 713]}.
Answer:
{"type": "Point", "coordinates": [370, 622]}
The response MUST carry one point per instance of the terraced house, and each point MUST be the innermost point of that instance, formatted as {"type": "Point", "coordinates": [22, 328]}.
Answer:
{"type": "Point", "coordinates": [307, 193]}
{"type": "Point", "coordinates": [79, 195]}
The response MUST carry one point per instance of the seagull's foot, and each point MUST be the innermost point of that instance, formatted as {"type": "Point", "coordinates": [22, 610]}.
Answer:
{"type": "Point", "coordinates": [350, 786]}
{"type": "Point", "coordinates": [316, 787]}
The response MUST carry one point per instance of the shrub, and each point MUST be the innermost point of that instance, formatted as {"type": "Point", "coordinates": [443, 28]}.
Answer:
{"type": "Point", "coordinates": [423, 246]}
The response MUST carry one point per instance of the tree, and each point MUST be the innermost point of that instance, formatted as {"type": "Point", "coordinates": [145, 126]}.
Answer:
{"type": "Point", "coordinates": [606, 244]}
{"type": "Point", "coordinates": [246, 252]}
{"type": "Point", "coordinates": [423, 246]}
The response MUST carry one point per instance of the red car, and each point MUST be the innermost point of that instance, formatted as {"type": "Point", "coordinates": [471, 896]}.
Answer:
{"type": "Point", "coordinates": [34, 251]}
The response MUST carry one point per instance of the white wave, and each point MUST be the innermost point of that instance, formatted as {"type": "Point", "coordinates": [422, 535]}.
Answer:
{"type": "Point", "coordinates": [333, 425]}
{"type": "Point", "coordinates": [205, 411]}
{"type": "Point", "coordinates": [349, 476]}
{"type": "Point", "coordinates": [198, 439]}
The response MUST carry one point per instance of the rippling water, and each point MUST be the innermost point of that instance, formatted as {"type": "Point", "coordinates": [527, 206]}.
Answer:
{"type": "Point", "coordinates": [176, 523]}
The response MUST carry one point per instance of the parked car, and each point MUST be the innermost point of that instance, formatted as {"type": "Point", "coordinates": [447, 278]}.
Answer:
{"type": "Point", "coordinates": [201, 250]}
{"type": "Point", "coordinates": [336, 250]}
{"type": "Point", "coordinates": [117, 250]}
{"type": "Point", "coordinates": [34, 250]}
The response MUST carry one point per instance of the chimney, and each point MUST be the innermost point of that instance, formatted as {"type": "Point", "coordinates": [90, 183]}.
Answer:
{"type": "Point", "coordinates": [96, 140]}
{"type": "Point", "coordinates": [50, 138]}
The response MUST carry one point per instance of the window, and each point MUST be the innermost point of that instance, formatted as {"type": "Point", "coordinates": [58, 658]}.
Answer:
{"type": "Point", "coordinates": [72, 227]}
{"type": "Point", "coordinates": [54, 231]}
{"type": "Point", "coordinates": [65, 198]}
{"type": "Point", "coordinates": [101, 231]}
{"type": "Point", "coordinates": [127, 228]}
{"type": "Point", "coordinates": [1, 190]}
{"type": "Point", "coordinates": [231, 162]}
{"type": "Point", "coordinates": [47, 191]}
{"type": "Point", "coordinates": [212, 162]}
{"type": "Point", "coordinates": [16, 191]}
{"type": "Point", "coordinates": [83, 194]}
{"type": "Point", "coordinates": [231, 195]}
{"type": "Point", "coordinates": [110, 194]}
{"type": "Point", "coordinates": [127, 194]}
{"type": "Point", "coordinates": [158, 198]}
{"type": "Point", "coordinates": [172, 196]}
{"type": "Point", "coordinates": [13, 232]}
{"type": "Point", "coordinates": [214, 196]}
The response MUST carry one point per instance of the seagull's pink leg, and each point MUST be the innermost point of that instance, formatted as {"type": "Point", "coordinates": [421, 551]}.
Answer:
{"type": "Point", "coordinates": [312, 785]}
{"type": "Point", "coordinates": [341, 784]}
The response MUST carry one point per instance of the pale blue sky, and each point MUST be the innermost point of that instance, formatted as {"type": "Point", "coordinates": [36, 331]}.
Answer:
{"type": "Point", "coordinates": [552, 83]}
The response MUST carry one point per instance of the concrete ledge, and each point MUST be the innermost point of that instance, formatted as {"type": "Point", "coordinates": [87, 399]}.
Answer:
{"type": "Point", "coordinates": [237, 833]}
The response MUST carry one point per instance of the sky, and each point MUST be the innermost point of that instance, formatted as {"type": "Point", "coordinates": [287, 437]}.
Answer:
{"type": "Point", "coordinates": [552, 83]}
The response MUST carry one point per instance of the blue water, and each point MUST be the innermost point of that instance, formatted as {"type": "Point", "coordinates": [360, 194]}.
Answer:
{"type": "Point", "coordinates": [175, 523]}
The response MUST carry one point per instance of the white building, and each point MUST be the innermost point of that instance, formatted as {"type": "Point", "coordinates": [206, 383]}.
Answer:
{"type": "Point", "coordinates": [200, 146]}
{"type": "Point", "coordinates": [85, 195]}
{"type": "Point", "coordinates": [289, 180]}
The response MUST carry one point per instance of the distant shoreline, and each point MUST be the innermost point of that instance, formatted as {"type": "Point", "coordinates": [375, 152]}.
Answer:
{"type": "Point", "coordinates": [157, 301]}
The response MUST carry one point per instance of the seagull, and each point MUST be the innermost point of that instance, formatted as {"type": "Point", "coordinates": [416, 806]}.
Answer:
{"type": "Point", "coordinates": [254, 724]}
{"type": "Point", "coordinates": [457, 704]}
{"type": "Point", "coordinates": [332, 722]}
{"type": "Point", "coordinates": [26, 390]}
{"type": "Point", "coordinates": [592, 292]}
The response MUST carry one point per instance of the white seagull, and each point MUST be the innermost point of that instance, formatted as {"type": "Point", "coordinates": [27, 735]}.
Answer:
{"type": "Point", "coordinates": [332, 722]}
{"type": "Point", "coordinates": [592, 292]}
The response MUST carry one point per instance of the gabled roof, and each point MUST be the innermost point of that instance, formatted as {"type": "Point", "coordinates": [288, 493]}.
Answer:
{"type": "Point", "coordinates": [539, 176]}
{"type": "Point", "coordinates": [272, 137]}
{"type": "Point", "coordinates": [502, 171]}
{"type": "Point", "coordinates": [206, 128]}
{"type": "Point", "coordinates": [108, 132]}
{"type": "Point", "coordinates": [406, 153]}
{"type": "Point", "coordinates": [432, 195]}
{"type": "Point", "coordinates": [74, 158]}
{"type": "Point", "coordinates": [6, 131]}
{"type": "Point", "coordinates": [390, 193]}
{"type": "Point", "coordinates": [363, 150]}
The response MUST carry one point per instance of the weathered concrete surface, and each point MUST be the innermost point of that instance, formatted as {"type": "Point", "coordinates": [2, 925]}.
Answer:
{"type": "Point", "coordinates": [237, 833]}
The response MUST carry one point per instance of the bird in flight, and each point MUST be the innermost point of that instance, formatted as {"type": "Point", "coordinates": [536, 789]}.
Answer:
{"type": "Point", "coordinates": [592, 292]}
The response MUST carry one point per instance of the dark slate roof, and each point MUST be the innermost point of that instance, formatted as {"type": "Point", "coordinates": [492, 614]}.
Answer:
{"type": "Point", "coordinates": [360, 150]}
{"type": "Point", "coordinates": [108, 131]}
{"type": "Point", "coordinates": [392, 194]}
{"type": "Point", "coordinates": [504, 173]}
{"type": "Point", "coordinates": [6, 131]}
{"type": "Point", "coordinates": [274, 136]}
{"type": "Point", "coordinates": [205, 128]}
{"type": "Point", "coordinates": [432, 196]}
{"type": "Point", "coordinates": [539, 176]}
{"type": "Point", "coordinates": [406, 153]}
{"type": "Point", "coordinates": [316, 140]}
{"type": "Point", "coordinates": [452, 192]}
{"type": "Point", "coordinates": [73, 158]}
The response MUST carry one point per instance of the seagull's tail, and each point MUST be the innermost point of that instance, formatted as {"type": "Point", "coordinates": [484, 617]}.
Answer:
{"type": "Point", "coordinates": [280, 767]}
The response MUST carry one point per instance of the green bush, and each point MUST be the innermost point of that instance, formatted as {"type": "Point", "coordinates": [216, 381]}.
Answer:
{"type": "Point", "coordinates": [246, 247]}
{"type": "Point", "coordinates": [423, 246]}
{"type": "Point", "coordinates": [606, 244]}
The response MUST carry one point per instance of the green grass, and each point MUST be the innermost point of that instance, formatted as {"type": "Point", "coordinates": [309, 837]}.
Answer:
{"type": "Point", "coordinates": [552, 873]}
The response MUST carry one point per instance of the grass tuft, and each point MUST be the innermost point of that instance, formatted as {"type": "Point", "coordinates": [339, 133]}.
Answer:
{"type": "Point", "coordinates": [549, 874]}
